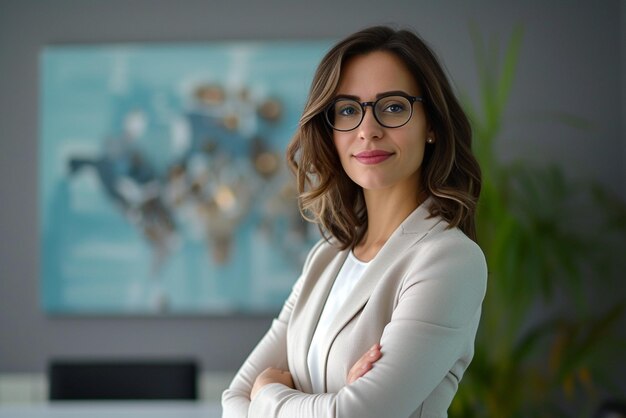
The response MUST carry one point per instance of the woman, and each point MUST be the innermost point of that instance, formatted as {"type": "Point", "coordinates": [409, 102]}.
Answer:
{"type": "Point", "coordinates": [382, 321]}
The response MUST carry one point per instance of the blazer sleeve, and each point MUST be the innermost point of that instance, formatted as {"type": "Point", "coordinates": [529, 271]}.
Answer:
{"type": "Point", "coordinates": [271, 351]}
{"type": "Point", "coordinates": [432, 327]}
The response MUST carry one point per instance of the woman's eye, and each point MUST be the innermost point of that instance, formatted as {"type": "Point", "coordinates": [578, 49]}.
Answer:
{"type": "Point", "coordinates": [394, 108]}
{"type": "Point", "coordinates": [347, 111]}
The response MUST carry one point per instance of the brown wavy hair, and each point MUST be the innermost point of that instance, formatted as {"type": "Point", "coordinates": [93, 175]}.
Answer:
{"type": "Point", "coordinates": [450, 172]}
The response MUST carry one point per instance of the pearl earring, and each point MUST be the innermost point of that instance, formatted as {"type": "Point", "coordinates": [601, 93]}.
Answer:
{"type": "Point", "coordinates": [430, 140]}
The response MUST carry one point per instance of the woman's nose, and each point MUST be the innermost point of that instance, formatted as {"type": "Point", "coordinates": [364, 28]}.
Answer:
{"type": "Point", "coordinates": [369, 127]}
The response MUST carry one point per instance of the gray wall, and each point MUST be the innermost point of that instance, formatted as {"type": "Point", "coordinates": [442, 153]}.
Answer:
{"type": "Point", "coordinates": [623, 80]}
{"type": "Point", "coordinates": [569, 63]}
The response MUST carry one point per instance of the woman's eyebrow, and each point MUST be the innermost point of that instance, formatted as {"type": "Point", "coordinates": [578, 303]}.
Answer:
{"type": "Point", "coordinates": [392, 93]}
{"type": "Point", "coordinates": [378, 96]}
{"type": "Point", "coordinates": [348, 96]}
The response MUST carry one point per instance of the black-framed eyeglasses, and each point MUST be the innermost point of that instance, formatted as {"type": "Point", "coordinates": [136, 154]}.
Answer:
{"type": "Point", "coordinates": [391, 111]}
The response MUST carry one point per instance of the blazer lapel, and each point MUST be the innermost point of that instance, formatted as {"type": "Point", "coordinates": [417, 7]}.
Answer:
{"type": "Point", "coordinates": [306, 315]}
{"type": "Point", "coordinates": [415, 227]}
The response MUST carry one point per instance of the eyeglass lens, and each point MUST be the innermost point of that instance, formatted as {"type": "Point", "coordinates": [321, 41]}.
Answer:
{"type": "Point", "coordinates": [390, 111]}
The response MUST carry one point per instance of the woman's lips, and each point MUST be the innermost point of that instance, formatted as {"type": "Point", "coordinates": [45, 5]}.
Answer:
{"type": "Point", "coordinates": [372, 157]}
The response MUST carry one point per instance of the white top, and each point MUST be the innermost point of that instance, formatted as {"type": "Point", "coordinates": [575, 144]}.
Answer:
{"type": "Point", "coordinates": [348, 276]}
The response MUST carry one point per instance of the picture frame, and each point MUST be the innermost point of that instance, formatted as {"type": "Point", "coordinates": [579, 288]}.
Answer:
{"type": "Point", "coordinates": [163, 183]}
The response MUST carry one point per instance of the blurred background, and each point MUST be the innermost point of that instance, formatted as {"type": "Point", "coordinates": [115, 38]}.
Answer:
{"type": "Point", "coordinates": [545, 86]}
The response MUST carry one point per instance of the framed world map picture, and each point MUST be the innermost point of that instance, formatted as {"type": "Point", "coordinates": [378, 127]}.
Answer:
{"type": "Point", "coordinates": [163, 183]}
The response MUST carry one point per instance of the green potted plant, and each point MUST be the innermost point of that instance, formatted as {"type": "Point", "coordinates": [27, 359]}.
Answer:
{"type": "Point", "coordinates": [545, 346]}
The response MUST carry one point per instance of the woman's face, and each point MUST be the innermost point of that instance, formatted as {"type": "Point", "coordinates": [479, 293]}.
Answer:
{"type": "Point", "coordinates": [373, 156]}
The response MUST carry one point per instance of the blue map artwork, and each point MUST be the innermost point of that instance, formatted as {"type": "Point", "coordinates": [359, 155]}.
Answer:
{"type": "Point", "coordinates": [163, 182]}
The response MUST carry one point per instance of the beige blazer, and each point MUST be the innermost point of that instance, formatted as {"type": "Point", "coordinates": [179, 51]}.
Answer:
{"type": "Point", "coordinates": [420, 297]}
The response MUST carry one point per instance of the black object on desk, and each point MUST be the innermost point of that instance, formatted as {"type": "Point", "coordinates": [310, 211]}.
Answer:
{"type": "Point", "coordinates": [123, 380]}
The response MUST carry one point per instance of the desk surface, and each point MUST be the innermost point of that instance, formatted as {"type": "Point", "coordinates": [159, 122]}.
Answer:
{"type": "Point", "coordinates": [113, 409]}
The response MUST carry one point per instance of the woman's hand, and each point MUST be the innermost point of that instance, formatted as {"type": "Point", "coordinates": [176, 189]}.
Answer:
{"type": "Point", "coordinates": [365, 363]}
{"type": "Point", "coordinates": [274, 375]}
{"type": "Point", "coordinates": [271, 375]}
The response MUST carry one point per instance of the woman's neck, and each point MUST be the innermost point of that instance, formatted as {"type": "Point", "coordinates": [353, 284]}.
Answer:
{"type": "Point", "coordinates": [386, 210]}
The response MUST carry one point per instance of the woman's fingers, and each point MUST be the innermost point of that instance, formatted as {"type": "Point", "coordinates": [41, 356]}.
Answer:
{"type": "Point", "coordinates": [365, 363]}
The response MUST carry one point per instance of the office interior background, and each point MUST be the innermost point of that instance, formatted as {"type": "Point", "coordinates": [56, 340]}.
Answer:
{"type": "Point", "coordinates": [566, 108]}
